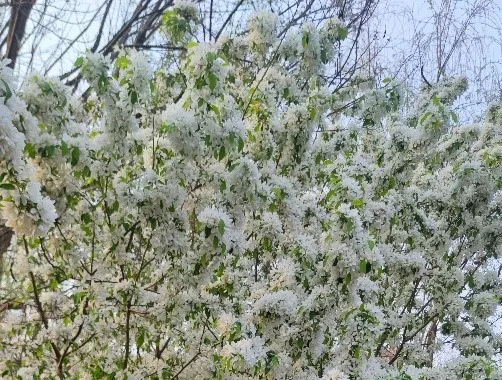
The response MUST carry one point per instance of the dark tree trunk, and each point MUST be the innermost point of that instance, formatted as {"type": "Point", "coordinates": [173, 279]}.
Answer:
{"type": "Point", "coordinates": [20, 13]}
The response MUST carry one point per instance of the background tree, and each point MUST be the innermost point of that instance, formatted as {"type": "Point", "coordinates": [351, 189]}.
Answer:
{"type": "Point", "coordinates": [56, 32]}
{"type": "Point", "coordinates": [433, 40]}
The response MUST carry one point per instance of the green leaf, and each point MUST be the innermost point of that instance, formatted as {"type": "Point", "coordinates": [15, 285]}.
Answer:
{"type": "Point", "coordinates": [48, 151]}
{"type": "Point", "coordinates": [222, 153]}
{"type": "Point", "coordinates": [102, 83]}
{"type": "Point", "coordinates": [7, 92]}
{"type": "Point", "coordinates": [364, 266]}
{"type": "Point", "coordinates": [207, 231]}
{"type": "Point", "coordinates": [7, 186]}
{"type": "Point", "coordinates": [64, 147]}
{"type": "Point", "coordinates": [175, 26]}
{"type": "Point", "coordinates": [216, 110]}
{"type": "Point", "coordinates": [240, 143]}
{"type": "Point", "coordinates": [53, 284]}
{"type": "Point", "coordinates": [357, 203]}
{"type": "Point", "coordinates": [46, 88]}
{"type": "Point", "coordinates": [86, 218]}
{"type": "Point", "coordinates": [75, 156]}
{"type": "Point", "coordinates": [213, 80]}
{"type": "Point", "coordinates": [274, 360]}
{"type": "Point", "coordinates": [122, 62]}
{"type": "Point", "coordinates": [39, 352]}
{"type": "Point", "coordinates": [139, 149]}
{"type": "Point", "coordinates": [223, 186]}
{"type": "Point", "coordinates": [342, 32]}
{"type": "Point", "coordinates": [211, 57]}
{"type": "Point", "coordinates": [221, 227]}
{"type": "Point", "coordinates": [424, 118]}
{"type": "Point", "coordinates": [192, 44]}
{"type": "Point", "coordinates": [30, 150]}
{"type": "Point", "coordinates": [79, 62]}
{"type": "Point", "coordinates": [200, 82]}
{"type": "Point", "coordinates": [77, 297]}
{"type": "Point", "coordinates": [368, 122]}
{"type": "Point", "coordinates": [167, 128]}
{"type": "Point", "coordinates": [140, 338]}
{"type": "Point", "coordinates": [392, 182]}
{"type": "Point", "coordinates": [313, 113]}
{"type": "Point", "coordinates": [305, 39]}
{"type": "Point", "coordinates": [371, 244]}
{"type": "Point", "coordinates": [220, 270]}
{"type": "Point", "coordinates": [134, 97]}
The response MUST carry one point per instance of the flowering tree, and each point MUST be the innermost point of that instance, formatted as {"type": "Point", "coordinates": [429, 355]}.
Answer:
{"type": "Point", "coordinates": [234, 219]}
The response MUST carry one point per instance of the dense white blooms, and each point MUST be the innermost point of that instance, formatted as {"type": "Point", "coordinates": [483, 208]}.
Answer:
{"type": "Point", "coordinates": [220, 219]}
{"type": "Point", "coordinates": [26, 210]}
{"type": "Point", "coordinates": [262, 29]}
{"type": "Point", "coordinates": [279, 303]}
{"type": "Point", "coordinates": [251, 350]}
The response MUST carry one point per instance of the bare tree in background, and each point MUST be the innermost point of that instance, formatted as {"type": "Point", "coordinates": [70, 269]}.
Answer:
{"type": "Point", "coordinates": [48, 35]}
{"type": "Point", "coordinates": [434, 39]}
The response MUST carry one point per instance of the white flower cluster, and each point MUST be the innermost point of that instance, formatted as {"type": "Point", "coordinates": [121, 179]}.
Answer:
{"type": "Point", "coordinates": [262, 29]}
{"type": "Point", "coordinates": [26, 210]}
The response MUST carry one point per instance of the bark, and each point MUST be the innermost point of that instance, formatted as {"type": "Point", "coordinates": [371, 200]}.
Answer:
{"type": "Point", "coordinates": [20, 13]}
{"type": "Point", "coordinates": [5, 239]}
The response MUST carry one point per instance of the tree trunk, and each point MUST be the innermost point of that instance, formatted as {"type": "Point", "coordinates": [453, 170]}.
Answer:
{"type": "Point", "coordinates": [5, 238]}
{"type": "Point", "coordinates": [20, 13]}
